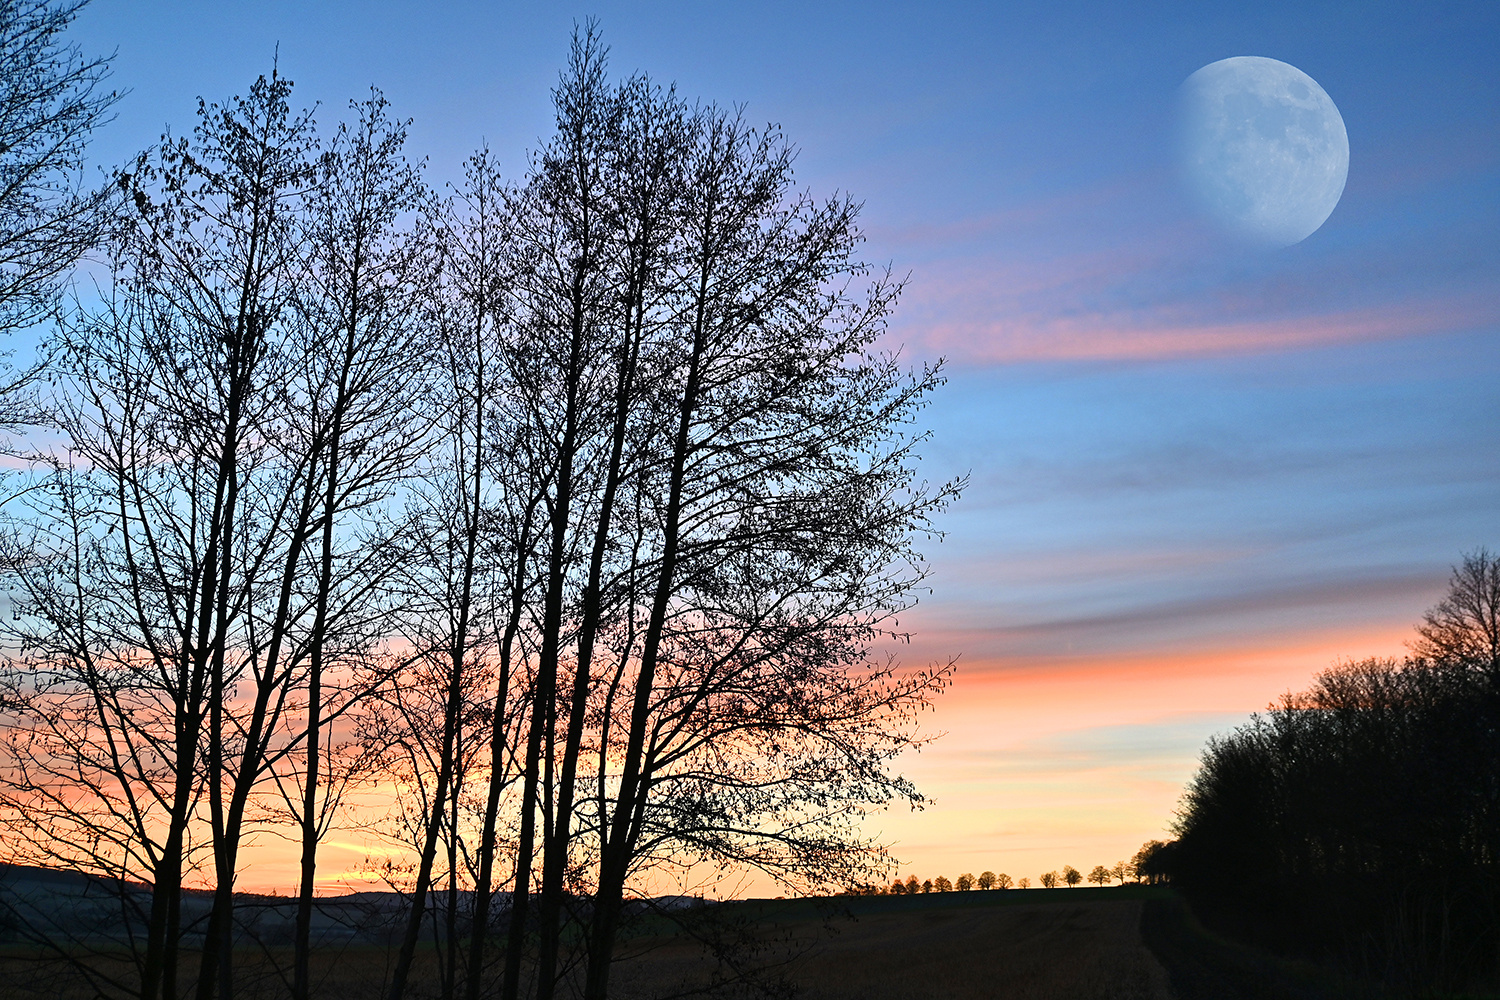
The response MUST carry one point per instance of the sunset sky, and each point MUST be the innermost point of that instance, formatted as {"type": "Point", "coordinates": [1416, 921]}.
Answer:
{"type": "Point", "coordinates": [1200, 473]}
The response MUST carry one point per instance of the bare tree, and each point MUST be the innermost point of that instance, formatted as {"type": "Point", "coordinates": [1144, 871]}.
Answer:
{"type": "Point", "coordinates": [52, 98]}
{"type": "Point", "coordinates": [565, 217]}
{"type": "Point", "coordinates": [363, 383]}
{"type": "Point", "coordinates": [770, 546]}
{"type": "Point", "coordinates": [603, 469]}
{"type": "Point", "coordinates": [142, 596]}
{"type": "Point", "coordinates": [498, 441]}
{"type": "Point", "coordinates": [219, 433]}
{"type": "Point", "coordinates": [478, 524]}
{"type": "Point", "coordinates": [1464, 627]}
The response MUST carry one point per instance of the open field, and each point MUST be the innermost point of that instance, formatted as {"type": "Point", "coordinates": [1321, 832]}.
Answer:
{"type": "Point", "coordinates": [1026, 945]}
{"type": "Point", "coordinates": [1069, 944]}
{"type": "Point", "coordinates": [1122, 943]}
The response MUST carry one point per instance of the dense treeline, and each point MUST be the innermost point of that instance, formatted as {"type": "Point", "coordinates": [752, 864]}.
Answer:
{"type": "Point", "coordinates": [564, 510]}
{"type": "Point", "coordinates": [1360, 820]}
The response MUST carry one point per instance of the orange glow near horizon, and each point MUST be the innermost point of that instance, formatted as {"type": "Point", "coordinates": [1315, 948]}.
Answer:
{"type": "Point", "coordinates": [1081, 760]}
{"type": "Point", "coordinates": [1042, 762]}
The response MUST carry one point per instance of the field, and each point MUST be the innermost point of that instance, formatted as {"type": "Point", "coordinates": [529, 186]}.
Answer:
{"type": "Point", "coordinates": [957, 946]}
{"type": "Point", "coordinates": [1122, 943]}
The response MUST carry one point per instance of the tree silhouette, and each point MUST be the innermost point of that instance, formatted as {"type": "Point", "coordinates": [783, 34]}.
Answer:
{"type": "Point", "coordinates": [1071, 876]}
{"type": "Point", "coordinates": [1151, 863]}
{"type": "Point", "coordinates": [1049, 880]}
{"type": "Point", "coordinates": [1366, 805]}
{"type": "Point", "coordinates": [572, 508]}
{"type": "Point", "coordinates": [178, 587]}
{"type": "Point", "coordinates": [1101, 875]}
{"type": "Point", "coordinates": [1464, 627]}
{"type": "Point", "coordinates": [52, 98]}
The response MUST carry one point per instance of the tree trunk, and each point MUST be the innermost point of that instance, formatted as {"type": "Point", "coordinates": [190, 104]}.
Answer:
{"type": "Point", "coordinates": [614, 865]}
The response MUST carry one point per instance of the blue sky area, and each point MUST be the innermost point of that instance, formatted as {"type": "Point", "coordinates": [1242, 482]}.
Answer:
{"type": "Point", "coordinates": [1199, 471]}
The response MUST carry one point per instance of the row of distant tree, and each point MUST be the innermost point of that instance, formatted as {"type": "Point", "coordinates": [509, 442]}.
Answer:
{"type": "Point", "coordinates": [569, 510]}
{"type": "Point", "coordinates": [1144, 867]}
{"type": "Point", "coordinates": [1359, 820]}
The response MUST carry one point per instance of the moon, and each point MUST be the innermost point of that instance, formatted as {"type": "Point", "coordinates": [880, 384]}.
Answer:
{"type": "Point", "coordinates": [1262, 149]}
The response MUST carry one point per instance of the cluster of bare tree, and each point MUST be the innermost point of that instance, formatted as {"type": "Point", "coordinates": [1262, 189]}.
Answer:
{"type": "Point", "coordinates": [1361, 819]}
{"type": "Point", "coordinates": [567, 510]}
{"type": "Point", "coordinates": [52, 97]}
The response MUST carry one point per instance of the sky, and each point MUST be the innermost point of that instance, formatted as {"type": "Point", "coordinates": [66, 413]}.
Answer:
{"type": "Point", "coordinates": [1200, 472]}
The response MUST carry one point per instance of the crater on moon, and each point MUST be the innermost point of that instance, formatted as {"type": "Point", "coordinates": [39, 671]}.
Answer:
{"type": "Point", "coordinates": [1262, 149]}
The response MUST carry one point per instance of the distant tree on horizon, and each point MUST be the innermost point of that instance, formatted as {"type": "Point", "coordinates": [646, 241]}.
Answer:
{"type": "Point", "coordinates": [941, 884]}
{"type": "Point", "coordinates": [964, 882]}
{"type": "Point", "coordinates": [1101, 875]}
{"type": "Point", "coordinates": [1025, 883]}
{"type": "Point", "coordinates": [986, 880]}
{"type": "Point", "coordinates": [1002, 881]}
{"type": "Point", "coordinates": [1049, 880]}
{"type": "Point", "coordinates": [1071, 876]}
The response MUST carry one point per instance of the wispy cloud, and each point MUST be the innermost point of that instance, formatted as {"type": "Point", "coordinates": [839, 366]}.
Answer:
{"type": "Point", "coordinates": [1165, 333]}
{"type": "Point", "coordinates": [1162, 620]}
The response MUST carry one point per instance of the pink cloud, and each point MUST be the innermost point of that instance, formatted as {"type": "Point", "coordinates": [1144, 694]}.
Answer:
{"type": "Point", "coordinates": [1102, 336]}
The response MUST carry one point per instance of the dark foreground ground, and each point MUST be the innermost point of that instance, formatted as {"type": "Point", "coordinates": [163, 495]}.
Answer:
{"type": "Point", "coordinates": [1024, 944]}
{"type": "Point", "coordinates": [1122, 943]}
